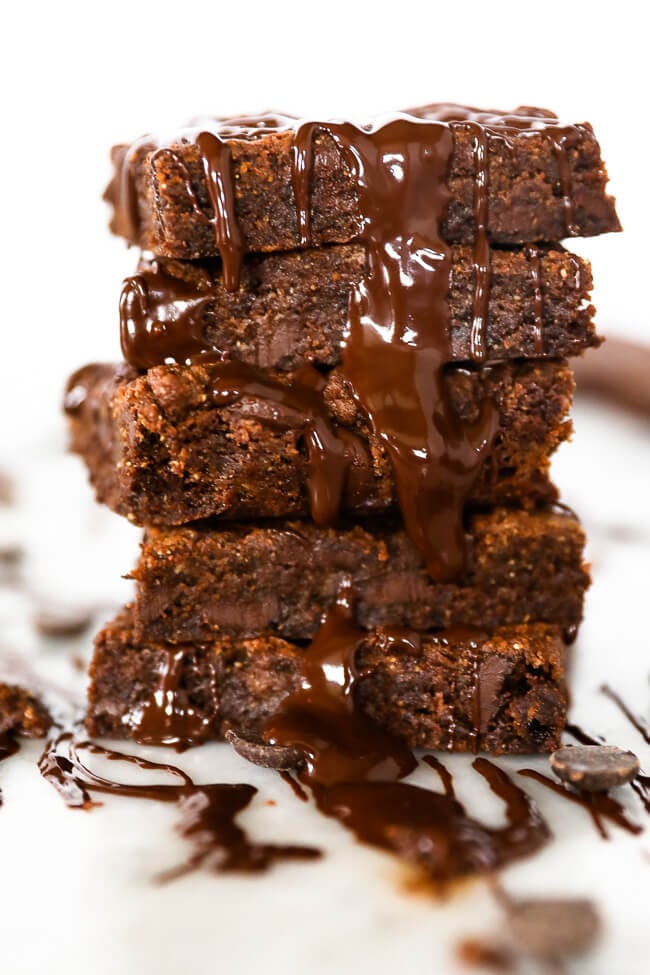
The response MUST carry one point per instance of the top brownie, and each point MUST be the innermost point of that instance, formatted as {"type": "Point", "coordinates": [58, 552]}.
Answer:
{"type": "Point", "coordinates": [545, 181]}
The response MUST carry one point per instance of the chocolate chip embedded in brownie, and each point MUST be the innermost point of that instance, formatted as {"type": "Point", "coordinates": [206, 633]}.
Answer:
{"type": "Point", "coordinates": [162, 450]}
{"type": "Point", "coordinates": [504, 692]}
{"type": "Point", "coordinates": [199, 582]}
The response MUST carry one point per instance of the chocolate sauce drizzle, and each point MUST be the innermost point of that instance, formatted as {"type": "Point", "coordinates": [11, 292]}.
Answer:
{"type": "Point", "coordinates": [642, 726]}
{"type": "Point", "coordinates": [353, 769]}
{"type": "Point", "coordinates": [398, 337]}
{"type": "Point", "coordinates": [208, 812]}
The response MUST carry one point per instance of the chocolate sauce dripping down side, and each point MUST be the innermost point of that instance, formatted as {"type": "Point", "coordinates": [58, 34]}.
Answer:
{"type": "Point", "coordinates": [208, 812]}
{"type": "Point", "coordinates": [398, 337]}
{"type": "Point", "coordinates": [354, 768]}
{"type": "Point", "coordinates": [599, 805]}
{"type": "Point", "coordinates": [162, 318]}
{"type": "Point", "coordinates": [168, 717]}
{"type": "Point", "coordinates": [533, 258]}
{"type": "Point", "coordinates": [482, 268]}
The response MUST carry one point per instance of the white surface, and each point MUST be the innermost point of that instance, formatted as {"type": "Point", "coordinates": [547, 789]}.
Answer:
{"type": "Point", "coordinates": [77, 887]}
{"type": "Point", "coordinates": [75, 891]}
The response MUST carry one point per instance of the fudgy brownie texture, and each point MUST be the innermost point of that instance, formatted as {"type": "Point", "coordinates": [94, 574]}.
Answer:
{"type": "Point", "coordinates": [293, 307]}
{"type": "Point", "coordinates": [200, 582]}
{"type": "Point", "coordinates": [161, 451]}
{"type": "Point", "coordinates": [21, 713]}
{"type": "Point", "coordinates": [169, 193]}
{"type": "Point", "coordinates": [504, 692]}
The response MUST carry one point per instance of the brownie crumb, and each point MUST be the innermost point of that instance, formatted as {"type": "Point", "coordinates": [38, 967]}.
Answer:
{"type": "Point", "coordinates": [21, 713]}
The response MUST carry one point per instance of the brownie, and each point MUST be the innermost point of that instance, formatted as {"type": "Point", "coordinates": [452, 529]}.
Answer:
{"type": "Point", "coordinates": [162, 451]}
{"type": "Point", "coordinates": [535, 167]}
{"type": "Point", "coordinates": [21, 713]}
{"type": "Point", "coordinates": [293, 307]}
{"type": "Point", "coordinates": [504, 692]}
{"type": "Point", "coordinates": [200, 582]}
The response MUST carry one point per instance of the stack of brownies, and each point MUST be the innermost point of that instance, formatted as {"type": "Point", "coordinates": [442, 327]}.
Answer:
{"type": "Point", "coordinates": [346, 370]}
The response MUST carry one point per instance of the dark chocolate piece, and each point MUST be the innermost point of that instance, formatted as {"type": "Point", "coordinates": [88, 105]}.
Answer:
{"type": "Point", "coordinates": [164, 449]}
{"type": "Point", "coordinates": [594, 768]}
{"type": "Point", "coordinates": [553, 929]}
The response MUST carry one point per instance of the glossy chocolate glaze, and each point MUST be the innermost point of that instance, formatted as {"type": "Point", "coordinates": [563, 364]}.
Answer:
{"type": "Point", "coordinates": [354, 769]}
{"type": "Point", "coordinates": [398, 339]}
{"type": "Point", "coordinates": [208, 812]}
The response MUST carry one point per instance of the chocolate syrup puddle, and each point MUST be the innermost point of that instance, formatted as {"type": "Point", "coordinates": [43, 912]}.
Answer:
{"type": "Point", "coordinates": [398, 337]}
{"type": "Point", "coordinates": [600, 805]}
{"type": "Point", "coordinates": [8, 747]}
{"type": "Point", "coordinates": [353, 769]}
{"type": "Point", "coordinates": [208, 812]}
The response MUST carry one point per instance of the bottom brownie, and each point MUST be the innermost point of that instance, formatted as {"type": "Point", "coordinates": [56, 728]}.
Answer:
{"type": "Point", "coordinates": [503, 692]}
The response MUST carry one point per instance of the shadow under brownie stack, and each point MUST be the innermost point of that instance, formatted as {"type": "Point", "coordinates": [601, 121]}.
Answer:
{"type": "Point", "coordinates": [346, 371]}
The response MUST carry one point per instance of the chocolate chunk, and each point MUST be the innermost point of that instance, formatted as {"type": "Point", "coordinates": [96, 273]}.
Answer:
{"type": "Point", "coordinates": [268, 756]}
{"type": "Point", "coordinates": [594, 768]}
{"type": "Point", "coordinates": [60, 622]}
{"type": "Point", "coordinates": [553, 929]}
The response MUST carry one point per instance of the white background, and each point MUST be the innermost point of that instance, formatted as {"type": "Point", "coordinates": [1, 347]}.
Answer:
{"type": "Point", "coordinates": [74, 78]}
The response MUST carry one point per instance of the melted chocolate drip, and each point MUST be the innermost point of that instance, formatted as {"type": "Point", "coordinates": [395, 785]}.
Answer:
{"type": "Point", "coordinates": [329, 451]}
{"type": "Point", "coordinates": [481, 245]}
{"type": "Point", "coordinates": [354, 769]}
{"type": "Point", "coordinates": [642, 726]}
{"type": "Point", "coordinates": [398, 338]}
{"type": "Point", "coordinates": [168, 717]}
{"type": "Point", "coordinates": [599, 805]}
{"type": "Point", "coordinates": [208, 812]}
{"type": "Point", "coordinates": [533, 257]}
{"type": "Point", "coordinates": [161, 318]}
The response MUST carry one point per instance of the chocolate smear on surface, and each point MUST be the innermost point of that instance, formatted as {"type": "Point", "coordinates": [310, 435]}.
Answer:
{"type": "Point", "coordinates": [60, 622]}
{"type": "Point", "coordinates": [599, 805]}
{"type": "Point", "coordinates": [353, 768]}
{"type": "Point", "coordinates": [481, 953]}
{"type": "Point", "coordinates": [594, 768]}
{"type": "Point", "coordinates": [208, 812]}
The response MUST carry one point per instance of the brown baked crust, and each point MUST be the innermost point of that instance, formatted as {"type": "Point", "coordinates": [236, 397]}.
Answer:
{"type": "Point", "coordinates": [161, 452]}
{"type": "Point", "coordinates": [293, 307]}
{"type": "Point", "coordinates": [429, 700]}
{"type": "Point", "coordinates": [525, 201]}
{"type": "Point", "coordinates": [21, 713]}
{"type": "Point", "coordinates": [196, 583]}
